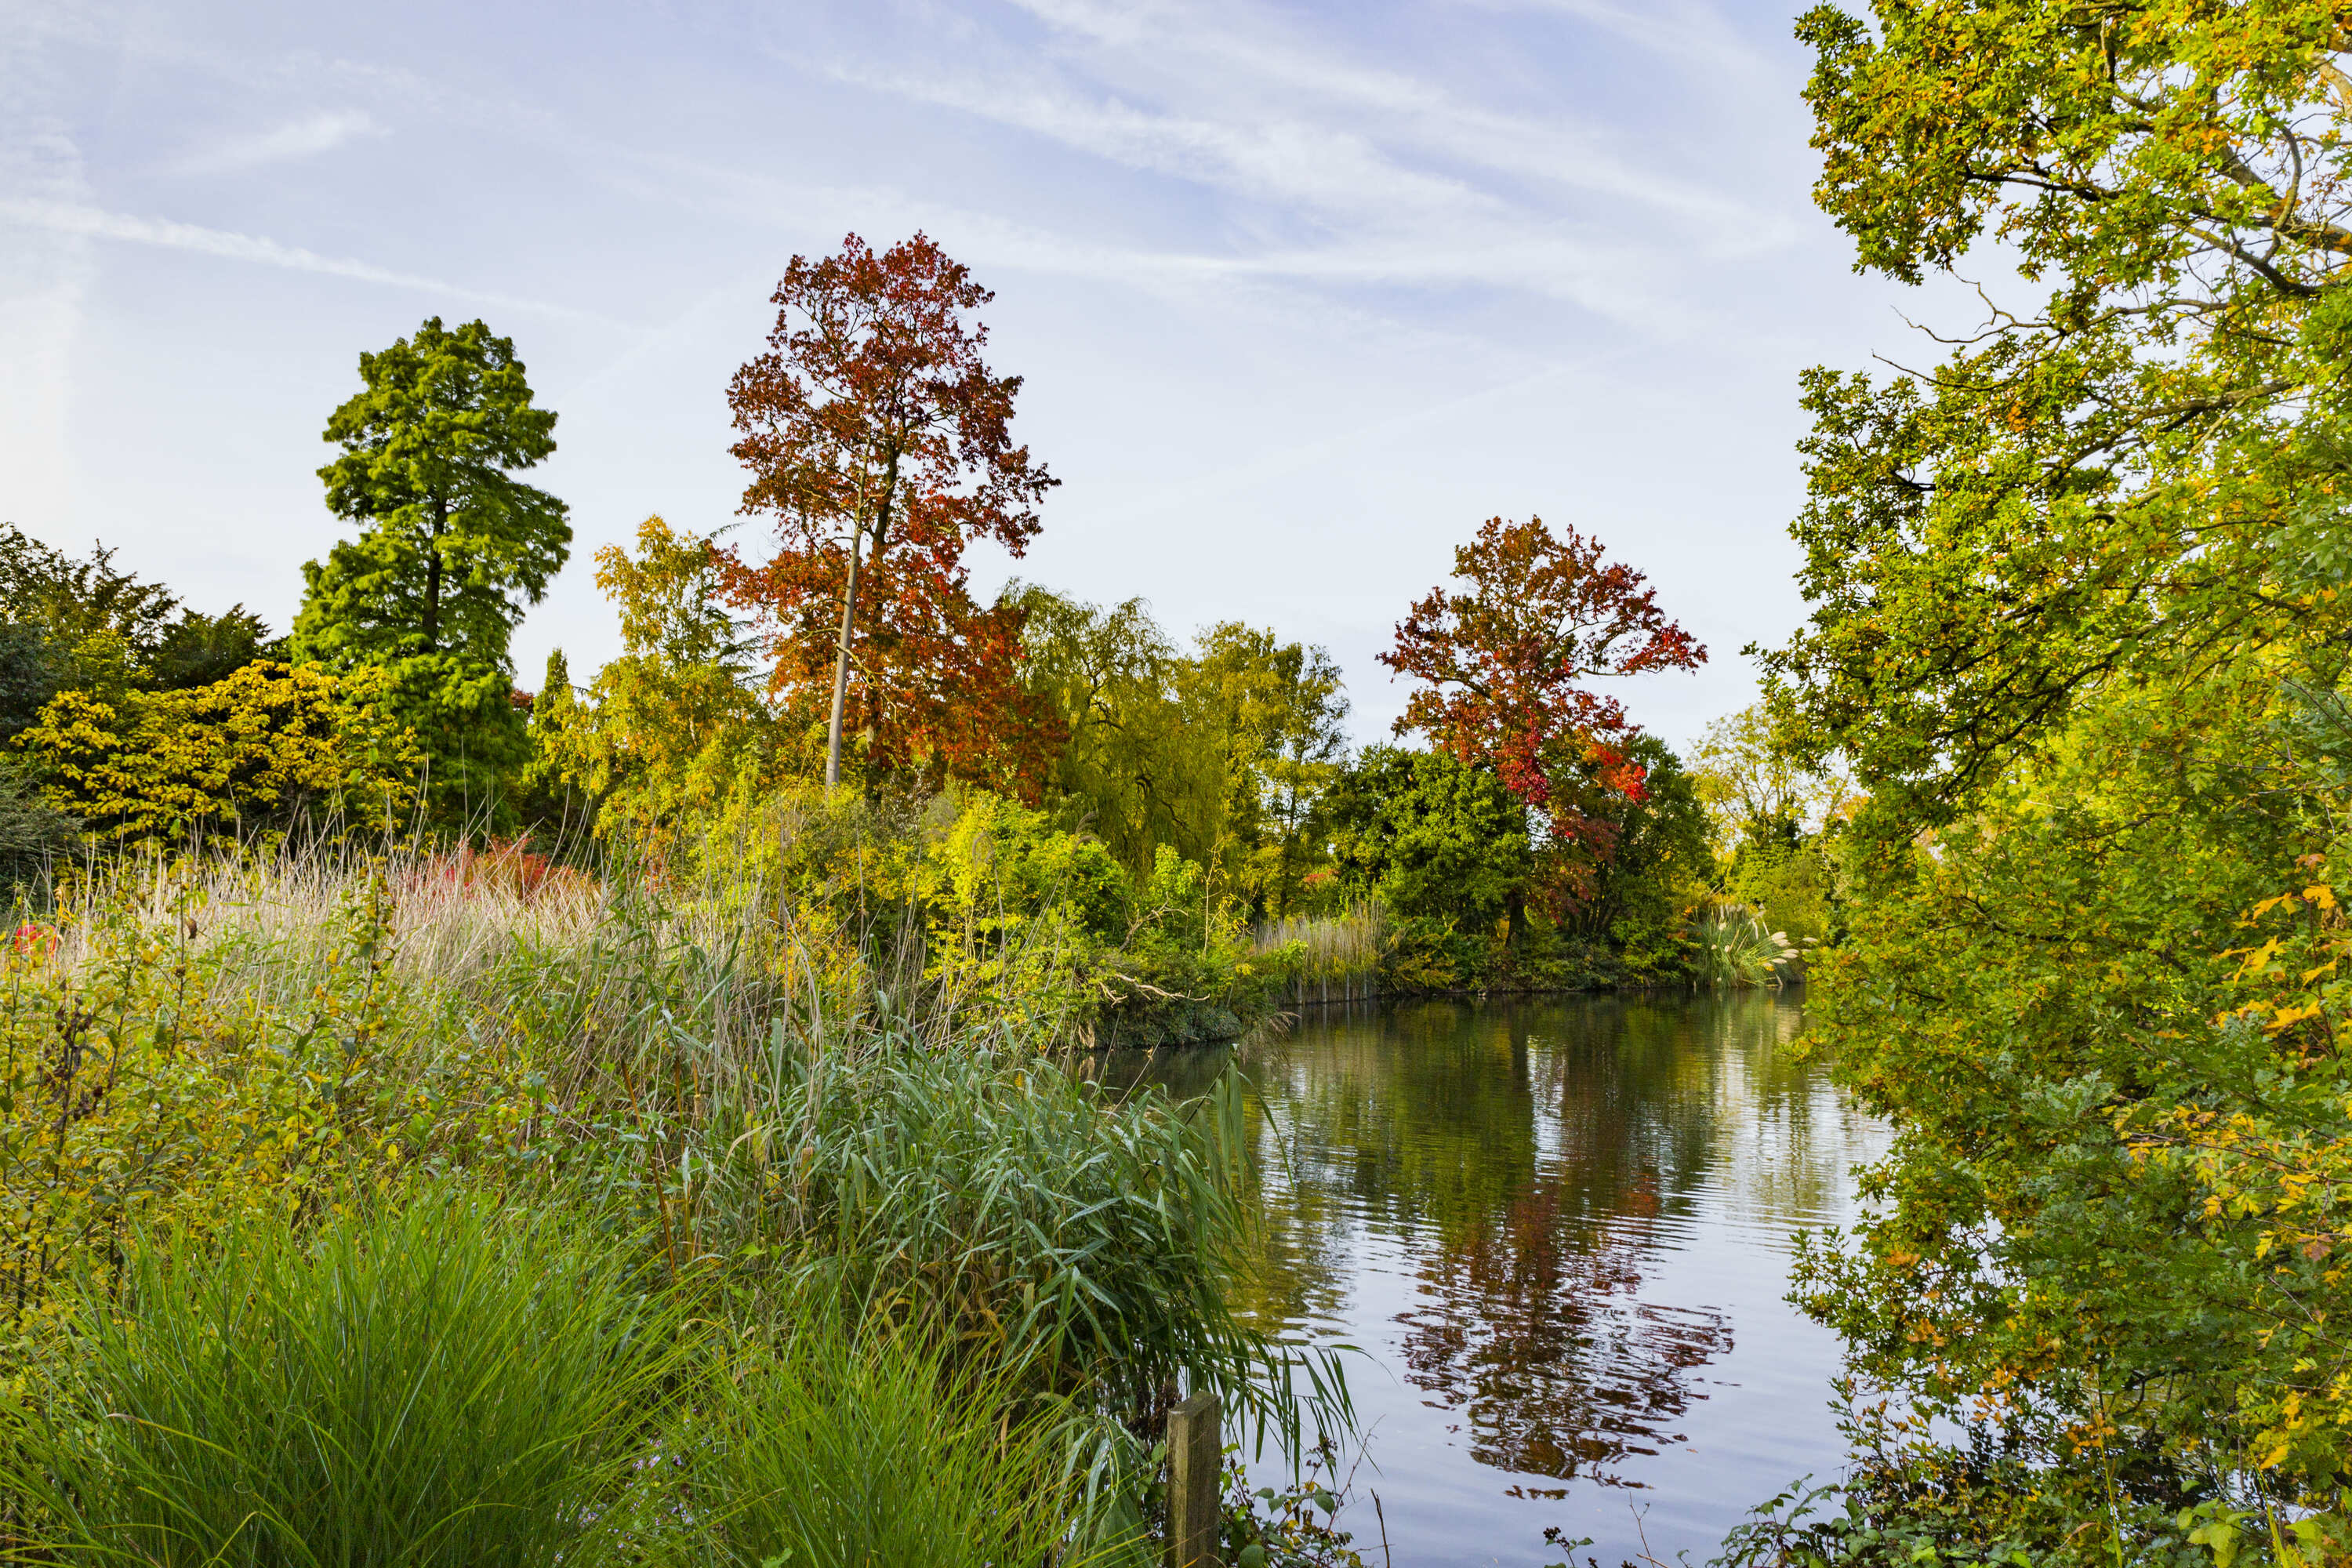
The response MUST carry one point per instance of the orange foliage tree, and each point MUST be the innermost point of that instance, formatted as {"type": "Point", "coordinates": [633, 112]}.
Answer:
{"type": "Point", "coordinates": [1502, 660]}
{"type": "Point", "coordinates": [881, 444]}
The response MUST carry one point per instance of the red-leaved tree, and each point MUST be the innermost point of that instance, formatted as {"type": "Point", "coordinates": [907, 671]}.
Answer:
{"type": "Point", "coordinates": [1504, 659]}
{"type": "Point", "coordinates": [880, 443]}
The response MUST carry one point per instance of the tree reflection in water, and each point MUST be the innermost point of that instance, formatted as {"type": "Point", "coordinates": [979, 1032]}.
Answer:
{"type": "Point", "coordinates": [1531, 1162]}
{"type": "Point", "coordinates": [1534, 1331]}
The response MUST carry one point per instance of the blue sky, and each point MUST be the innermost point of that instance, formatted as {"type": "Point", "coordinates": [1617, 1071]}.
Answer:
{"type": "Point", "coordinates": [1301, 292]}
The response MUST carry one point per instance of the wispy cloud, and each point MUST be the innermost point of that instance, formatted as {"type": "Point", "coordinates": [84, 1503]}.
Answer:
{"type": "Point", "coordinates": [95, 223]}
{"type": "Point", "coordinates": [1597, 273]}
{"type": "Point", "coordinates": [1266, 76]}
{"type": "Point", "coordinates": [1333, 168]}
{"type": "Point", "coordinates": [1695, 34]}
{"type": "Point", "coordinates": [1328, 170]}
{"type": "Point", "coordinates": [304, 138]}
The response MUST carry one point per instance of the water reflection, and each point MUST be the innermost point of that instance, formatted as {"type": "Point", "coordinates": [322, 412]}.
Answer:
{"type": "Point", "coordinates": [1556, 1224]}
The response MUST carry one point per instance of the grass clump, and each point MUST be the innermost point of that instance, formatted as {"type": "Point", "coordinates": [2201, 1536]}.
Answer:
{"type": "Point", "coordinates": [1040, 1222]}
{"type": "Point", "coordinates": [442, 1385]}
{"type": "Point", "coordinates": [842, 1446]}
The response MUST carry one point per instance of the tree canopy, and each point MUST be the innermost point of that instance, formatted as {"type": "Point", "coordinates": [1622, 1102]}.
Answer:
{"type": "Point", "coordinates": [452, 547]}
{"type": "Point", "coordinates": [2078, 626]}
{"type": "Point", "coordinates": [880, 443]}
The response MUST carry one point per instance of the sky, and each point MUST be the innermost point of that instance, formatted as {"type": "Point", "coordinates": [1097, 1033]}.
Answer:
{"type": "Point", "coordinates": [1300, 293]}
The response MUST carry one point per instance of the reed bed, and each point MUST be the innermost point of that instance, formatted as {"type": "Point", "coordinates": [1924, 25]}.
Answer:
{"type": "Point", "coordinates": [1334, 958]}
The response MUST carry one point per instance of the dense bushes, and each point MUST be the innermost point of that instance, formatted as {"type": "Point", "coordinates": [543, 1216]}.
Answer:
{"type": "Point", "coordinates": [253, 752]}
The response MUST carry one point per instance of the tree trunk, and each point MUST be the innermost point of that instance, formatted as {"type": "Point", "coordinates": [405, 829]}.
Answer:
{"type": "Point", "coordinates": [840, 668]}
{"type": "Point", "coordinates": [433, 575]}
{"type": "Point", "coordinates": [849, 621]}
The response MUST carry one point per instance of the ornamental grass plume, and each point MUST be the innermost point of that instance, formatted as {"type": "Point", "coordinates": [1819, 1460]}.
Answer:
{"type": "Point", "coordinates": [1737, 948]}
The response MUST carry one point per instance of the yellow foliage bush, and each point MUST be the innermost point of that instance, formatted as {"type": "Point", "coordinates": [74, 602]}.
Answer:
{"type": "Point", "coordinates": [244, 752]}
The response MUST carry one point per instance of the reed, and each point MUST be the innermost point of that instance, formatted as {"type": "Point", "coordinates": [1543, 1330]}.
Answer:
{"type": "Point", "coordinates": [1333, 958]}
{"type": "Point", "coordinates": [845, 1443]}
{"type": "Point", "coordinates": [1080, 1238]}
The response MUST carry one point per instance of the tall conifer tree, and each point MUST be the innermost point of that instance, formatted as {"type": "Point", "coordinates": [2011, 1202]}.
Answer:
{"type": "Point", "coordinates": [452, 548]}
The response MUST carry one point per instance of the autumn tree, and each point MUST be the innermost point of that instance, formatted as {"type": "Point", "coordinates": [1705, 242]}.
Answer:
{"type": "Point", "coordinates": [452, 546]}
{"type": "Point", "coordinates": [881, 444]}
{"type": "Point", "coordinates": [1503, 662]}
{"type": "Point", "coordinates": [674, 721]}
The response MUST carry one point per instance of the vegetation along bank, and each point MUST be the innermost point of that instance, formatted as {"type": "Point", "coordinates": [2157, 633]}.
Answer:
{"type": "Point", "coordinates": [382, 1039]}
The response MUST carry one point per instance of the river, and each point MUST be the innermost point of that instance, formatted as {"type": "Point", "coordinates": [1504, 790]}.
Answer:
{"type": "Point", "coordinates": [1559, 1231]}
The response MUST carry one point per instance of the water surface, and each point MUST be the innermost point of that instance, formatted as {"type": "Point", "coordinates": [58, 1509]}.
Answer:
{"type": "Point", "coordinates": [1559, 1231]}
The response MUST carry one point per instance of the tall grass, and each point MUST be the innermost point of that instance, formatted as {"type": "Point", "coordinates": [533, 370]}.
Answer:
{"type": "Point", "coordinates": [440, 1386]}
{"type": "Point", "coordinates": [1334, 958]}
{"type": "Point", "coordinates": [780, 1105]}
{"type": "Point", "coordinates": [1083, 1238]}
{"type": "Point", "coordinates": [775, 1098]}
{"type": "Point", "coordinates": [475, 930]}
{"type": "Point", "coordinates": [842, 1446]}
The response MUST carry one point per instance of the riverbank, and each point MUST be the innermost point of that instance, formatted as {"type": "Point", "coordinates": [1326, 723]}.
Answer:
{"type": "Point", "coordinates": [274, 1063]}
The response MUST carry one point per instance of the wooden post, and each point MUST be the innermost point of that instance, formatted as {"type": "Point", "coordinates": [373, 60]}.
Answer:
{"type": "Point", "coordinates": [1196, 1461]}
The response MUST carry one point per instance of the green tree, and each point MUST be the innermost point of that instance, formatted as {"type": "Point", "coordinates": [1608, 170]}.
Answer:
{"type": "Point", "coordinates": [2078, 623]}
{"type": "Point", "coordinates": [1133, 771]}
{"type": "Point", "coordinates": [83, 623]}
{"type": "Point", "coordinates": [70, 624]}
{"type": "Point", "coordinates": [1660, 868]}
{"type": "Point", "coordinates": [1222, 755]}
{"type": "Point", "coordinates": [1434, 837]}
{"type": "Point", "coordinates": [75, 601]}
{"type": "Point", "coordinates": [1753, 785]}
{"type": "Point", "coordinates": [451, 548]}
{"type": "Point", "coordinates": [1273, 711]}
{"type": "Point", "coordinates": [197, 649]}
{"type": "Point", "coordinates": [547, 800]}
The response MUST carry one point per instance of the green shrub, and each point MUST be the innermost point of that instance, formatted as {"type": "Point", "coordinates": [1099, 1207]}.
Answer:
{"type": "Point", "coordinates": [440, 1386]}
